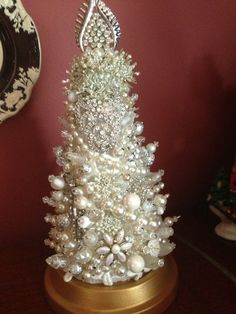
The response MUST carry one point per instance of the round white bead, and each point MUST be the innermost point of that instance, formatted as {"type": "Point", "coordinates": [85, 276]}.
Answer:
{"type": "Point", "coordinates": [115, 249]}
{"type": "Point", "coordinates": [57, 183]}
{"type": "Point", "coordinates": [77, 191]}
{"type": "Point", "coordinates": [136, 263]}
{"type": "Point", "coordinates": [118, 211]}
{"type": "Point", "coordinates": [86, 275]}
{"type": "Point", "coordinates": [84, 222]}
{"type": "Point", "coordinates": [139, 128]}
{"type": "Point", "coordinates": [151, 148]}
{"type": "Point", "coordinates": [160, 210]}
{"type": "Point", "coordinates": [132, 201]}
{"type": "Point", "coordinates": [57, 196]}
{"type": "Point", "coordinates": [81, 202]}
{"type": "Point", "coordinates": [68, 277]}
{"type": "Point", "coordinates": [72, 97]}
{"type": "Point", "coordinates": [90, 238]}
{"type": "Point", "coordinates": [84, 255]}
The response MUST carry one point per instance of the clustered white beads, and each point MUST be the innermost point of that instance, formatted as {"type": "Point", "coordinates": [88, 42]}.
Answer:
{"type": "Point", "coordinates": [108, 224]}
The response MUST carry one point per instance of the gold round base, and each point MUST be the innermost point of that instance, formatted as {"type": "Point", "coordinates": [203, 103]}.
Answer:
{"type": "Point", "coordinates": [152, 294]}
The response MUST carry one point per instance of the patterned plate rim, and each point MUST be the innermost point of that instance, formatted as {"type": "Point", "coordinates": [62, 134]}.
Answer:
{"type": "Point", "coordinates": [21, 57]}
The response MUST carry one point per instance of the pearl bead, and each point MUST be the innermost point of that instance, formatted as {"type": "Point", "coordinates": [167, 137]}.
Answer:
{"type": "Point", "coordinates": [151, 148]}
{"type": "Point", "coordinates": [83, 180]}
{"type": "Point", "coordinates": [72, 97]}
{"type": "Point", "coordinates": [121, 270]}
{"type": "Point", "coordinates": [150, 194]}
{"type": "Point", "coordinates": [156, 189]}
{"type": "Point", "coordinates": [169, 221]}
{"type": "Point", "coordinates": [89, 189]}
{"type": "Point", "coordinates": [57, 196]}
{"type": "Point", "coordinates": [57, 183]}
{"type": "Point", "coordinates": [84, 255]}
{"type": "Point", "coordinates": [131, 217]}
{"type": "Point", "coordinates": [77, 191]}
{"type": "Point", "coordinates": [160, 210]}
{"type": "Point", "coordinates": [136, 263]}
{"type": "Point", "coordinates": [109, 204]}
{"type": "Point", "coordinates": [80, 140]}
{"type": "Point", "coordinates": [68, 277]}
{"type": "Point", "coordinates": [132, 201]}
{"type": "Point", "coordinates": [153, 224]}
{"type": "Point", "coordinates": [86, 275]}
{"type": "Point", "coordinates": [115, 249]}
{"type": "Point", "coordinates": [84, 222]}
{"type": "Point", "coordinates": [81, 202]}
{"type": "Point", "coordinates": [139, 128]}
{"type": "Point", "coordinates": [61, 209]}
{"type": "Point", "coordinates": [118, 211]}
{"type": "Point", "coordinates": [87, 168]}
{"type": "Point", "coordinates": [89, 204]}
{"type": "Point", "coordinates": [160, 200]}
{"type": "Point", "coordinates": [90, 238]}
{"type": "Point", "coordinates": [161, 262]}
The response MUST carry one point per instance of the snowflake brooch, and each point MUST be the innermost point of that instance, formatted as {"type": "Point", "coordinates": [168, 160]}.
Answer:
{"type": "Point", "coordinates": [115, 248]}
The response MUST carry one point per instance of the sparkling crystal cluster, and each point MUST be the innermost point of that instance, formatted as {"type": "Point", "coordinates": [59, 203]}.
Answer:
{"type": "Point", "coordinates": [107, 225]}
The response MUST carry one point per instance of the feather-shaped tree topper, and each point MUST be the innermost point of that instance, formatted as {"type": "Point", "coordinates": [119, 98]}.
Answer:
{"type": "Point", "coordinates": [96, 26]}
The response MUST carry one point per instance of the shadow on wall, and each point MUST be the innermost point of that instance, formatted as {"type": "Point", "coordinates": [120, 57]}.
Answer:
{"type": "Point", "coordinates": [24, 167]}
{"type": "Point", "coordinates": [211, 138]}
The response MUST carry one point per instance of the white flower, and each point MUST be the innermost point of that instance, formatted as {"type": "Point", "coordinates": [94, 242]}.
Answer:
{"type": "Point", "coordinates": [115, 248]}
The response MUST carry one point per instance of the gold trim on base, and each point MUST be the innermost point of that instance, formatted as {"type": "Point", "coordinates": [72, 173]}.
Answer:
{"type": "Point", "coordinates": [152, 294]}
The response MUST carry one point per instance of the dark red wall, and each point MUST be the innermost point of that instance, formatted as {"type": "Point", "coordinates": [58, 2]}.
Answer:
{"type": "Point", "coordinates": [186, 53]}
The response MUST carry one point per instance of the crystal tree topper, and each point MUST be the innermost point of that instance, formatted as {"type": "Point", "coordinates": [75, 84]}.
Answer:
{"type": "Point", "coordinates": [107, 226]}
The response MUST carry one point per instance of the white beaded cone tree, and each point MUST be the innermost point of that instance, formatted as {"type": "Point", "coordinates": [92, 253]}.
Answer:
{"type": "Point", "coordinates": [108, 225]}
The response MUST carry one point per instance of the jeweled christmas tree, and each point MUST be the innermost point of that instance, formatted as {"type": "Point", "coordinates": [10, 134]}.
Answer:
{"type": "Point", "coordinates": [108, 224]}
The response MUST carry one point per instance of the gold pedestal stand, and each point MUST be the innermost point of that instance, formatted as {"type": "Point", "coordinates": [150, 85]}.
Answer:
{"type": "Point", "coordinates": [151, 294]}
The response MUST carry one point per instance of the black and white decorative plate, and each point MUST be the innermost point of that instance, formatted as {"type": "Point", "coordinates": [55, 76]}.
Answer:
{"type": "Point", "coordinates": [20, 57]}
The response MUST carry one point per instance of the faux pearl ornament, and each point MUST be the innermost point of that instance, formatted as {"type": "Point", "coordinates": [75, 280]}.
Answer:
{"type": "Point", "coordinates": [90, 189]}
{"type": "Point", "coordinates": [87, 168]}
{"type": "Point", "coordinates": [57, 196]}
{"type": "Point", "coordinates": [136, 263]}
{"type": "Point", "coordinates": [68, 277]}
{"type": "Point", "coordinates": [160, 210]}
{"type": "Point", "coordinates": [77, 191]}
{"type": "Point", "coordinates": [151, 148]}
{"type": "Point", "coordinates": [156, 189]}
{"type": "Point", "coordinates": [84, 255]}
{"type": "Point", "coordinates": [61, 209]}
{"type": "Point", "coordinates": [86, 275]}
{"type": "Point", "coordinates": [83, 180]}
{"type": "Point", "coordinates": [161, 263]}
{"type": "Point", "coordinates": [131, 217]}
{"type": "Point", "coordinates": [132, 201]}
{"type": "Point", "coordinates": [153, 224]}
{"type": "Point", "coordinates": [168, 221]}
{"type": "Point", "coordinates": [81, 202]}
{"type": "Point", "coordinates": [72, 97]}
{"type": "Point", "coordinates": [57, 183]}
{"type": "Point", "coordinates": [121, 270]}
{"type": "Point", "coordinates": [139, 128]}
{"type": "Point", "coordinates": [160, 200]}
{"type": "Point", "coordinates": [118, 211]}
{"type": "Point", "coordinates": [90, 238]}
{"type": "Point", "coordinates": [84, 222]}
{"type": "Point", "coordinates": [150, 194]}
{"type": "Point", "coordinates": [115, 249]}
